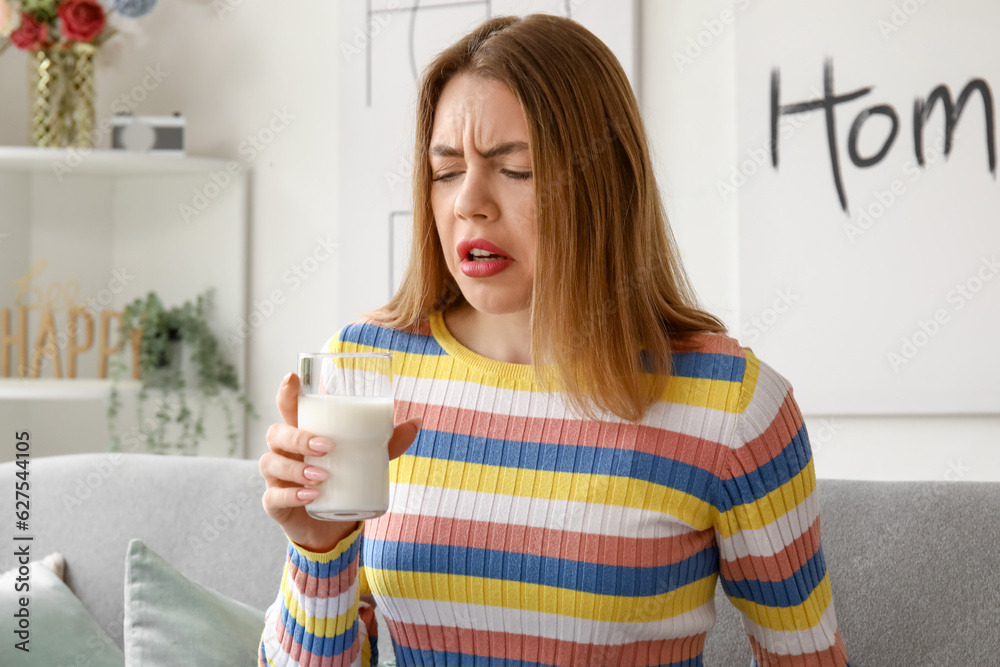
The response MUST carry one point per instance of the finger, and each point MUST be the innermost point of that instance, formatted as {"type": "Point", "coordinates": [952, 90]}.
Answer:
{"type": "Point", "coordinates": [294, 443]}
{"type": "Point", "coordinates": [403, 436]}
{"type": "Point", "coordinates": [283, 471]}
{"type": "Point", "coordinates": [288, 399]}
{"type": "Point", "coordinates": [276, 498]}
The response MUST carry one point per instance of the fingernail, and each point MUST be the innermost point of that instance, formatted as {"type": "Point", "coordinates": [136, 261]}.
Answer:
{"type": "Point", "coordinates": [320, 445]}
{"type": "Point", "coordinates": [307, 494]}
{"type": "Point", "coordinates": [420, 423]}
{"type": "Point", "coordinates": [312, 472]}
{"type": "Point", "coordinates": [284, 380]}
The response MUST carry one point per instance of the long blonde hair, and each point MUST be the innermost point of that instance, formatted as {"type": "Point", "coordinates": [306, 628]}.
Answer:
{"type": "Point", "coordinates": [609, 293]}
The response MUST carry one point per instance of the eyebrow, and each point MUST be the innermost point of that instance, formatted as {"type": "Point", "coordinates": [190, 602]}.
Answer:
{"type": "Point", "coordinates": [505, 148]}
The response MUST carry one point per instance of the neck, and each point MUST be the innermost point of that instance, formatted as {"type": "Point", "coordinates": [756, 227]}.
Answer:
{"type": "Point", "coordinates": [504, 337]}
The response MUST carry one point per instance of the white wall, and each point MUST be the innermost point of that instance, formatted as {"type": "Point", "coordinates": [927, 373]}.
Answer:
{"type": "Point", "coordinates": [228, 74]}
{"type": "Point", "coordinates": [691, 116]}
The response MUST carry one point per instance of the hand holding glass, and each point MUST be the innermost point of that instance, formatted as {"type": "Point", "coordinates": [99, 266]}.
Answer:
{"type": "Point", "coordinates": [347, 397]}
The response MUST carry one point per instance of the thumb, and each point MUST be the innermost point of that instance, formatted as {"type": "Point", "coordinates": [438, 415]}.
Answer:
{"type": "Point", "coordinates": [403, 436]}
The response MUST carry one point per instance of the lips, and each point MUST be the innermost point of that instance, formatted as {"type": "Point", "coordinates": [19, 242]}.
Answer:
{"type": "Point", "coordinates": [481, 268]}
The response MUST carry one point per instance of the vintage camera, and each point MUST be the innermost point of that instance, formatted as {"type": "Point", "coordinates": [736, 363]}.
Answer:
{"type": "Point", "coordinates": [143, 134]}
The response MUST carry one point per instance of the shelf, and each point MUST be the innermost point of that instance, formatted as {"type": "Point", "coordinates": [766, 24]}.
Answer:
{"type": "Point", "coordinates": [49, 389]}
{"type": "Point", "coordinates": [104, 161]}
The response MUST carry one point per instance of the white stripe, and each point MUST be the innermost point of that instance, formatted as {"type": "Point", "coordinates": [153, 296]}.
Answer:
{"type": "Point", "coordinates": [545, 625]}
{"type": "Point", "coordinates": [327, 609]}
{"type": "Point", "coordinates": [772, 538]}
{"type": "Point", "coordinates": [597, 519]}
{"type": "Point", "coordinates": [696, 421]}
{"type": "Point", "coordinates": [768, 397]}
{"type": "Point", "coordinates": [796, 642]}
{"type": "Point", "coordinates": [272, 647]}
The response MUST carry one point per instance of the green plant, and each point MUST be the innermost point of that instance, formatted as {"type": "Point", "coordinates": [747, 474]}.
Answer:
{"type": "Point", "coordinates": [165, 334]}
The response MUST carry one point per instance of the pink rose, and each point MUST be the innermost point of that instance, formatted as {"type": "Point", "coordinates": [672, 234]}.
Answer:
{"type": "Point", "coordinates": [30, 33]}
{"type": "Point", "coordinates": [82, 20]}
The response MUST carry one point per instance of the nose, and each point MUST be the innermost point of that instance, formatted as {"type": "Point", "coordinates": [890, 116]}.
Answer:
{"type": "Point", "coordinates": [475, 199]}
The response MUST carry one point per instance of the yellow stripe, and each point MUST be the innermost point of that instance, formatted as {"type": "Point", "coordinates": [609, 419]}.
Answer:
{"type": "Point", "coordinates": [550, 485]}
{"type": "Point", "coordinates": [327, 626]}
{"type": "Point", "coordinates": [800, 617]}
{"type": "Point", "coordinates": [750, 375]}
{"type": "Point", "coordinates": [765, 510]}
{"type": "Point", "coordinates": [699, 392]}
{"type": "Point", "coordinates": [485, 591]}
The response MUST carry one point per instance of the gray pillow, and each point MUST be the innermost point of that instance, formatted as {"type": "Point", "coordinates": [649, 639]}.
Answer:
{"type": "Point", "coordinates": [60, 630]}
{"type": "Point", "coordinates": [171, 620]}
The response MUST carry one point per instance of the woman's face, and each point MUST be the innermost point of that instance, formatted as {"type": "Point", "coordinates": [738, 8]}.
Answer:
{"type": "Point", "coordinates": [482, 193]}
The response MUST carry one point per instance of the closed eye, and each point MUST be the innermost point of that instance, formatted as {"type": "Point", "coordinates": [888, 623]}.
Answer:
{"type": "Point", "coordinates": [513, 175]}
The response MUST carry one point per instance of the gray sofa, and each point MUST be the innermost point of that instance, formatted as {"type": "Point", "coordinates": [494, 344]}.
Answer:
{"type": "Point", "coordinates": [915, 566]}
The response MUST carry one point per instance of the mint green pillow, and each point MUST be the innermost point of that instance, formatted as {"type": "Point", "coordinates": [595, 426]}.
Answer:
{"type": "Point", "coordinates": [60, 629]}
{"type": "Point", "coordinates": [172, 621]}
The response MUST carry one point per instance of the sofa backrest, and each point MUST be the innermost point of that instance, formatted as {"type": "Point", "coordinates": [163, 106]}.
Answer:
{"type": "Point", "coordinates": [915, 566]}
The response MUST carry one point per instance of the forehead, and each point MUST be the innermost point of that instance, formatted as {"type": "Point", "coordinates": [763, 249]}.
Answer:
{"type": "Point", "coordinates": [483, 107]}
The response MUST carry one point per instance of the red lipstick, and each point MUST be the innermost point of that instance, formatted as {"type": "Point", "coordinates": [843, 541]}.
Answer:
{"type": "Point", "coordinates": [483, 265]}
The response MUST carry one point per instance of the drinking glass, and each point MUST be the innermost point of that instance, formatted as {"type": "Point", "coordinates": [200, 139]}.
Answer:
{"type": "Point", "coordinates": [347, 397]}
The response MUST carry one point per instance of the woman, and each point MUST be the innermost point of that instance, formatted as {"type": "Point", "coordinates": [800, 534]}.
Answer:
{"type": "Point", "coordinates": [580, 451]}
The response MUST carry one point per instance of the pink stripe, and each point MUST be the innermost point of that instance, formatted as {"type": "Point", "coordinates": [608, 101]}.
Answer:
{"type": "Point", "coordinates": [512, 646]}
{"type": "Point", "coordinates": [309, 659]}
{"type": "Point", "coordinates": [786, 423]}
{"type": "Point", "coordinates": [692, 450]}
{"type": "Point", "coordinates": [323, 588]}
{"type": "Point", "coordinates": [548, 542]}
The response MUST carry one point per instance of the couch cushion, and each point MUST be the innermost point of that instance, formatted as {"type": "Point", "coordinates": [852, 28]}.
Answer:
{"type": "Point", "coordinates": [52, 612]}
{"type": "Point", "coordinates": [171, 620]}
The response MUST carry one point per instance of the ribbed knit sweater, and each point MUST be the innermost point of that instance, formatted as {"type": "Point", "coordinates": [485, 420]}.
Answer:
{"type": "Point", "coordinates": [519, 533]}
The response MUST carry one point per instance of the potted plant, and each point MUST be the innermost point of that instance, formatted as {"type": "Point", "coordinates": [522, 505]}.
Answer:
{"type": "Point", "coordinates": [166, 334]}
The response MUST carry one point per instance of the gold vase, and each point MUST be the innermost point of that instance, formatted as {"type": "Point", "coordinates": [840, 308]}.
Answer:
{"type": "Point", "coordinates": [49, 127]}
{"type": "Point", "coordinates": [62, 96]}
{"type": "Point", "coordinates": [80, 93]}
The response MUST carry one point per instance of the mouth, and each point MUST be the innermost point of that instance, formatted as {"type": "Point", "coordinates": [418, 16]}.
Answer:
{"type": "Point", "coordinates": [480, 250]}
{"type": "Point", "coordinates": [478, 258]}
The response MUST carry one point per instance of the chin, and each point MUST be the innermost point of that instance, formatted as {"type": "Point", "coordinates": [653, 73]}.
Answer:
{"type": "Point", "coordinates": [495, 301]}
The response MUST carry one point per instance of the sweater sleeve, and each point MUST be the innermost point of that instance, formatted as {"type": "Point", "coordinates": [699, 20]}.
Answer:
{"type": "Point", "coordinates": [768, 530]}
{"type": "Point", "coordinates": [319, 618]}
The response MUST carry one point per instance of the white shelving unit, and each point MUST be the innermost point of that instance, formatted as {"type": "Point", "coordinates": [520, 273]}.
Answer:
{"type": "Point", "coordinates": [113, 225]}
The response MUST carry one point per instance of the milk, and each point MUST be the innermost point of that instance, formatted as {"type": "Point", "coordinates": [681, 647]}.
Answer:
{"type": "Point", "coordinates": [360, 427]}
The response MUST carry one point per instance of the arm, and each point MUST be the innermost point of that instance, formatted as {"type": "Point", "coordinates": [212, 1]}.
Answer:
{"type": "Point", "coordinates": [318, 618]}
{"type": "Point", "coordinates": [767, 528]}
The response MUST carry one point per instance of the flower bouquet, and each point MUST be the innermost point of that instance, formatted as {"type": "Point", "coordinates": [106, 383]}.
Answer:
{"type": "Point", "coordinates": [62, 37]}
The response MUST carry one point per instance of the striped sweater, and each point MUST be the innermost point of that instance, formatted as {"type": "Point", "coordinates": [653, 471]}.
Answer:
{"type": "Point", "coordinates": [520, 534]}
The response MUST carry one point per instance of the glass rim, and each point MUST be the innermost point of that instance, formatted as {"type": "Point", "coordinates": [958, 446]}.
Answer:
{"type": "Point", "coordinates": [348, 355]}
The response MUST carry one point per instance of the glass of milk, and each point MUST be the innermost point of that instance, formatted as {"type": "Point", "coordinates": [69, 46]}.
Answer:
{"type": "Point", "coordinates": [347, 397]}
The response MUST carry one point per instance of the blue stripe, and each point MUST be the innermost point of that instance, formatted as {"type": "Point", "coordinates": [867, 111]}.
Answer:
{"type": "Point", "coordinates": [754, 485]}
{"type": "Point", "coordinates": [583, 459]}
{"type": "Point", "coordinates": [789, 592]}
{"type": "Point", "coordinates": [383, 338]}
{"type": "Point", "coordinates": [565, 573]}
{"type": "Point", "coordinates": [708, 365]}
{"type": "Point", "coordinates": [411, 657]}
{"type": "Point", "coordinates": [325, 646]}
{"type": "Point", "coordinates": [324, 570]}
